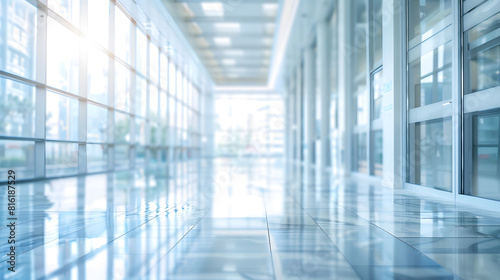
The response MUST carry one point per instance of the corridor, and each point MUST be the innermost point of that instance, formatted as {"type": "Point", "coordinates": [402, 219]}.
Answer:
{"type": "Point", "coordinates": [249, 139]}
{"type": "Point", "coordinates": [246, 227]}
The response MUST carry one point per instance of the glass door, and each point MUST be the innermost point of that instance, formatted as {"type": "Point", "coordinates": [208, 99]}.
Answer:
{"type": "Point", "coordinates": [481, 106]}
{"type": "Point", "coordinates": [429, 144]}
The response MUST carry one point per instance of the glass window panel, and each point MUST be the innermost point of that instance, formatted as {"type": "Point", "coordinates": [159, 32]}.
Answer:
{"type": "Point", "coordinates": [123, 30]}
{"type": "Point", "coordinates": [360, 153]}
{"type": "Point", "coordinates": [67, 9]}
{"type": "Point", "coordinates": [153, 62]}
{"type": "Point", "coordinates": [97, 79]}
{"type": "Point", "coordinates": [153, 103]}
{"type": "Point", "coordinates": [97, 157]}
{"type": "Point", "coordinates": [376, 27]}
{"type": "Point", "coordinates": [164, 106]}
{"type": "Point", "coordinates": [485, 69]}
{"type": "Point", "coordinates": [430, 154]}
{"type": "Point", "coordinates": [140, 155]}
{"type": "Point", "coordinates": [153, 157]}
{"type": "Point", "coordinates": [171, 78]}
{"type": "Point", "coordinates": [485, 156]}
{"type": "Point", "coordinates": [98, 21]}
{"type": "Point", "coordinates": [61, 117]}
{"type": "Point", "coordinates": [377, 94]}
{"type": "Point", "coordinates": [185, 117]}
{"type": "Point", "coordinates": [361, 106]}
{"type": "Point", "coordinates": [179, 93]}
{"type": "Point", "coordinates": [18, 41]}
{"type": "Point", "coordinates": [190, 120]}
{"type": "Point", "coordinates": [171, 117]}
{"type": "Point", "coordinates": [18, 156]}
{"type": "Point", "coordinates": [140, 129]}
{"type": "Point", "coordinates": [153, 133]}
{"type": "Point", "coordinates": [164, 135]}
{"type": "Point", "coordinates": [190, 94]}
{"type": "Point", "coordinates": [97, 124]}
{"type": "Point", "coordinates": [122, 87]}
{"type": "Point", "coordinates": [163, 71]}
{"type": "Point", "coordinates": [62, 57]}
{"type": "Point", "coordinates": [178, 114]}
{"type": "Point", "coordinates": [122, 128]}
{"type": "Point", "coordinates": [163, 155]}
{"type": "Point", "coordinates": [122, 156]}
{"type": "Point", "coordinates": [140, 96]}
{"type": "Point", "coordinates": [141, 52]}
{"type": "Point", "coordinates": [423, 15]}
{"type": "Point", "coordinates": [430, 77]}
{"type": "Point", "coordinates": [484, 47]}
{"type": "Point", "coordinates": [377, 153]}
{"type": "Point", "coordinates": [197, 100]}
{"type": "Point", "coordinates": [17, 109]}
{"type": "Point", "coordinates": [61, 159]}
{"type": "Point", "coordinates": [185, 90]}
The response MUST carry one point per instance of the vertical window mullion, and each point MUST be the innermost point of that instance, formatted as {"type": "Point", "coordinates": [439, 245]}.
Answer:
{"type": "Point", "coordinates": [40, 109]}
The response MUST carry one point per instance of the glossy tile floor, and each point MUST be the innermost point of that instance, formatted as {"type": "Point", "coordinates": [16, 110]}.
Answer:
{"type": "Point", "coordinates": [243, 220]}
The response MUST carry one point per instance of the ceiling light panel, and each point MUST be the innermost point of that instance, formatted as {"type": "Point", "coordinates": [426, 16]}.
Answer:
{"type": "Point", "coordinates": [228, 61]}
{"type": "Point", "coordinates": [222, 41]}
{"type": "Point", "coordinates": [213, 9]}
{"type": "Point", "coordinates": [270, 9]}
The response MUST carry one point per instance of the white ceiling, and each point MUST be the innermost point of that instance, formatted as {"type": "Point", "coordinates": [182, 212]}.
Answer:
{"type": "Point", "coordinates": [233, 38]}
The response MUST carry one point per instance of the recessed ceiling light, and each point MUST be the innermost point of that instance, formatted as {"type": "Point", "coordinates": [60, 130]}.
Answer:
{"type": "Point", "coordinates": [222, 41]}
{"type": "Point", "coordinates": [270, 9]}
{"type": "Point", "coordinates": [229, 61]}
{"type": "Point", "coordinates": [228, 26]}
{"type": "Point", "coordinates": [212, 9]}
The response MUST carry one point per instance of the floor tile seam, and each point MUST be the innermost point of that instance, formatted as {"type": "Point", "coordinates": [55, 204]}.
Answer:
{"type": "Point", "coordinates": [94, 252]}
{"type": "Point", "coordinates": [333, 243]}
{"type": "Point", "coordinates": [62, 236]}
{"type": "Point", "coordinates": [98, 249]}
{"type": "Point", "coordinates": [178, 241]}
{"type": "Point", "coordinates": [377, 227]}
{"type": "Point", "coordinates": [399, 238]}
{"type": "Point", "coordinates": [269, 238]}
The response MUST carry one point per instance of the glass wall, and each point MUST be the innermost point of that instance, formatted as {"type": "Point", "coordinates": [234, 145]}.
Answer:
{"type": "Point", "coordinates": [481, 102]}
{"type": "Point", "coordinates": [97, 105]}
{"type": "Point", "coordinates": [367, 87]}
{"type": "Point", "coordinates": [360, 101]}
{"type": "Point", "coordinates": [376, 87]}
{"type": "Point", "coordinates": [430, 107]}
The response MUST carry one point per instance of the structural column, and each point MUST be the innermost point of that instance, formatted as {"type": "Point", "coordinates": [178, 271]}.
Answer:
{"type": "Point", "coordinates": [289, 124]}
{"type": "Point", "coordinates": [298, 121]}
{"type": "Point", "coordinates": [310, 116]}
{"type": "Point", "coordinates": [392, 91]}
{"type": "Point", "coordinates": [345, 50]}
{"type": "Point", "coordinates": [323, 79]}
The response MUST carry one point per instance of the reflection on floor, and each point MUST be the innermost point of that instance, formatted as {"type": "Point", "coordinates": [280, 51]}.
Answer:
{"type": "Point", "coordinates": [243, 220]}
